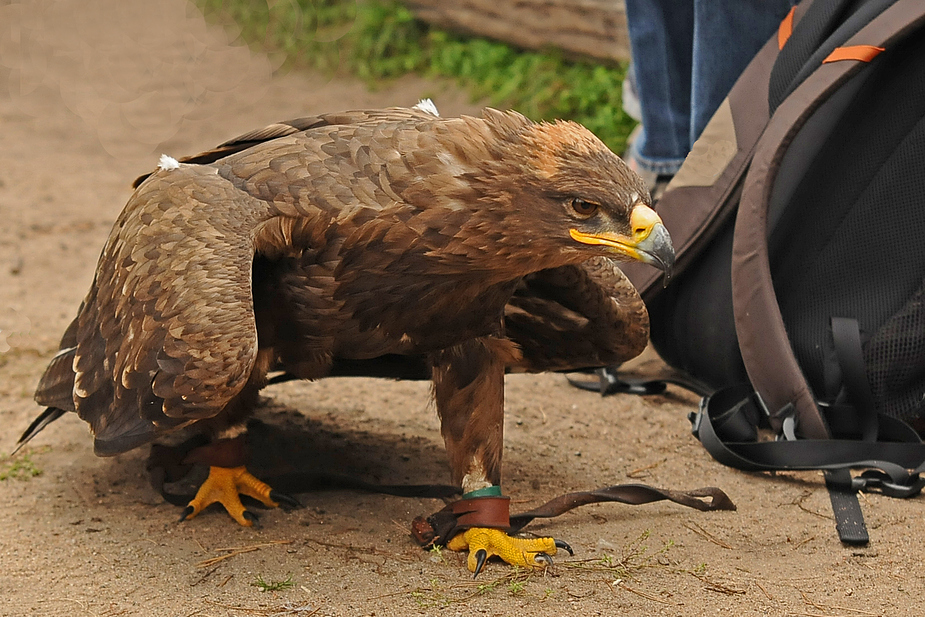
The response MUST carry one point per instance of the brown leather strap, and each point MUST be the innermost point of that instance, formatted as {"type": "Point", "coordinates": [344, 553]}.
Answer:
{"type": "Point", "coordinates": [492, 512]}
{"type": "Point", "coordinates": [440, 527]}
{"type": "Point", "coordinates": [703, 499]}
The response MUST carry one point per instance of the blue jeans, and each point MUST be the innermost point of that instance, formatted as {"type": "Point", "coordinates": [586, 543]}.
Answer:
{"type": "Point", "coordinates": [687, 54]}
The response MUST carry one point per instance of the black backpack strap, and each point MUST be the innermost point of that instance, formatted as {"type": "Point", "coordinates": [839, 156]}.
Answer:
{"type": "Point", "coordinates": [610, 380]}
{"type": "Point", "coordinates": [727, 424]}
{"type": "Point", "coordinates": [720, 417]}
{"type": "Point", "coordinates": [849, 518]}
{"type": "Point", "coordinates": [846, 335]}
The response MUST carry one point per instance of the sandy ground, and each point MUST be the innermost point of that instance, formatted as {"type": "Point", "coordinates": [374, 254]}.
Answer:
{"type": "Point", "coordinates": [89, 98]}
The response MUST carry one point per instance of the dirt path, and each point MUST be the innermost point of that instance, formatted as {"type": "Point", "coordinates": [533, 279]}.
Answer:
{"type": "Point", "coordinates": [88, 100]}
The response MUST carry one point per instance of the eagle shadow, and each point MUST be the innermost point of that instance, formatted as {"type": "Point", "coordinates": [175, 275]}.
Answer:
{"type": "Point", "coordinates": [297, 454]}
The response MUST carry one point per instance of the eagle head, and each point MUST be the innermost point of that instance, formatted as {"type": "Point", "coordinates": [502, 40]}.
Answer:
{"type": "Point", "coordinates": [575, 196]}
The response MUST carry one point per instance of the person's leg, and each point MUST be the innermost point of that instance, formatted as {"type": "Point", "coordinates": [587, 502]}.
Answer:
{"type": "Point", "coordinates": [727, 35]}
{"type": "Point", "coordinates": [661, 39]}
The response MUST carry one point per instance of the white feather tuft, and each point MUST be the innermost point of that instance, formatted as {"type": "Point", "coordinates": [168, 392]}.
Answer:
{"type": "Point", "coordinates": [427, 106]}
{"type": "Point", "coordinates": [168, 163]}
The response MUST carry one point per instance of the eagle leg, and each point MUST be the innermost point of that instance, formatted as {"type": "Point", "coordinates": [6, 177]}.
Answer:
{"type": "Point", "coordinates": [469, 393]}
{"type": "Point", "coordinates": [524, 552]}
{"type": "Point", "coordinates": [228, 480]}
{"type": "Point", "coordinates": [225, 485]}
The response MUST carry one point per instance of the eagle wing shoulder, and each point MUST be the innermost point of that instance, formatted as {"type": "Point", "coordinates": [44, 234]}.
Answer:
{"type": "Point", "coordinates": [167, 333]}
{"type": "Point", "coordinates": [286, 128]}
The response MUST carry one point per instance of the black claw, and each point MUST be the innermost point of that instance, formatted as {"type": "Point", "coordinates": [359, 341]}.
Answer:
{"type": "Point", "coordinates": [186, 512]}
{"type": "Point", "coordinates": [284, 499]}
{"type": "Point", "coordinates": [543, 558]}
{"type": "Point", "coordinates": [564, 544]}
{"type": "Point", "coordinates": [250, 516]}
{"type": "Point", "coordinates": [481, 556]}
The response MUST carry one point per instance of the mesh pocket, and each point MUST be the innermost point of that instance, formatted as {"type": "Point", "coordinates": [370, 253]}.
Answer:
{"type": "Point", "coordinates": [895, 358]}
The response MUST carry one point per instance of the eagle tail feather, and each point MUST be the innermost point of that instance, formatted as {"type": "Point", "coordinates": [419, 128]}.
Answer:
{"type": "Point", "coordinates": [44, 419]}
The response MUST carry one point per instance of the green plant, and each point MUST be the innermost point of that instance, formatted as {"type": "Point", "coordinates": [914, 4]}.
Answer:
{"type": "Point", "coordinates": [516, 587]}
{"type": "Point", "coordinates": [274, 585]}
{"type": "Point", "coordinates": [437, 551]}
{"type": "Point", "coordinates": [378, 40]}
{"type": "Point", "coordinates": [635, 558]}
{"type": "Point", "coordinates": [21, 468]}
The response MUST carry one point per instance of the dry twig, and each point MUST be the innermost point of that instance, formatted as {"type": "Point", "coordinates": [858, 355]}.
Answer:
{"type": "Point", "coordinates": [718, 587]}
{"type": "Point", "coordinates": [231, 552]}
{"type": "Point", "coordinates": [286, 609]}
{"type": "Point", "coordinates": [635, 474]}
{"type": "Point", "coordinates": [798, 502]}
{"type": "Point", "coordinates": [707, 535]}
{"type": "Point", "coordinates": [369, 550]}
{"type": "Point", "coordinates": [643, 594]}
{"type": "Point", "coordinates": [764, 591]}
{"type": "Point", "coordinates": [823, 607]}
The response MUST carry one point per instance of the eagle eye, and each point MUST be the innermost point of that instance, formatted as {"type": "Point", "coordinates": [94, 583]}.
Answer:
{"type": "Point", "coordinates": [583, 207]}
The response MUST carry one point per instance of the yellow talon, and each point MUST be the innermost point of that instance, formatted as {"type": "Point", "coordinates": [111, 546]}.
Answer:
{"type": "Point", "coordinates": [484, 543]}
{"type": "Point", "coordinates": [224, 485]}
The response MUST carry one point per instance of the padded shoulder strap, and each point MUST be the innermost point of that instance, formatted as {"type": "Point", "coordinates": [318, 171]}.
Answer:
{"type": "Point", "coordinates": [765, 346]}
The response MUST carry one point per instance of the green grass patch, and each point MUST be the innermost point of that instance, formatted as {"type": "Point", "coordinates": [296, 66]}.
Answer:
{"type": "Point", "coordinates": [273, 585]}
{"type": "Point", "coordinates": [378, 40]}
{"type": "Point", "coordinates": [20, 467]}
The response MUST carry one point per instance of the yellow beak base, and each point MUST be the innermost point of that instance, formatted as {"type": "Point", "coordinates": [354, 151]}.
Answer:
{"type": "Point", "coordinates": [650, 242]}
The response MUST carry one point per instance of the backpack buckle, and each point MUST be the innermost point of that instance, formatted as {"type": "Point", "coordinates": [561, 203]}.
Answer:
{"type": "Point", "coordinates": [874, 480]}
{"type": "Point", "coordinates": [696, 417]}
{"type": "Point", "coordinates": [735, 413]}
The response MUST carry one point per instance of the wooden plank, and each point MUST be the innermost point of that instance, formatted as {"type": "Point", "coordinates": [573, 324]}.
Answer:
{"type": "Point", "coordinates": [588, 28]}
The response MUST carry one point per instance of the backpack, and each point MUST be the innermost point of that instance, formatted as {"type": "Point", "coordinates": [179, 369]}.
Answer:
{"type": "Point", "coordinates": [798, 220]}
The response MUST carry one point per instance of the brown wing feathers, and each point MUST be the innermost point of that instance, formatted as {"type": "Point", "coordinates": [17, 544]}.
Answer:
{"type": "Point", "coordinates": [245, 141]}
{"type": "Point", "coordinates": [283, 129]}
{"type": "Point", "coordinates": [575, 317]}
{"type": "Point", "coordinates": [167, 334]}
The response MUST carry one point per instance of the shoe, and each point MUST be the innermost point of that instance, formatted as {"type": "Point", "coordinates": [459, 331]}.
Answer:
{"type": "Point", "coordinates": [654, 181]}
